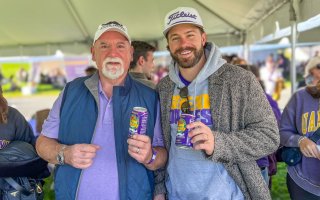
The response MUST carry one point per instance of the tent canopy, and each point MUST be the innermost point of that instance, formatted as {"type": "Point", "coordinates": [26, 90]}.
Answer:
{"type": "Point", "coordinates": [40, 27]}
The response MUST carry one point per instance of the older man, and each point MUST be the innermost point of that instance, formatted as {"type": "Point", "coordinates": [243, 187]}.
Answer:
{"type": "Point", "coordinates": [86, 133]}
{"type": "Point", "coordinates": [234, 124]}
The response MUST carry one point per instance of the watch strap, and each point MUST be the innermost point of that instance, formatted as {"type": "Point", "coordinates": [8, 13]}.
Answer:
{"type": "Point", "coordinates": [60, 156]}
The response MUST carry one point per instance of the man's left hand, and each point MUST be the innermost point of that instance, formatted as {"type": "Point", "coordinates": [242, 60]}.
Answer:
{"type": "Point", "coordinates": [201, 137]}
{"type": "Point", "coordinates": [140, 148]}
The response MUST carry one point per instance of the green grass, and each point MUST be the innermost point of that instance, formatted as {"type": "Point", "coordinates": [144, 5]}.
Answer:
{"type": "Point", "coordinates": [48, 192]}
{"type": "Point", "coordinates": [279, 189]}
{"type": "Point", "coordinates": [9, 69]}
{"type": "Point", "coordinates": [42, 89]}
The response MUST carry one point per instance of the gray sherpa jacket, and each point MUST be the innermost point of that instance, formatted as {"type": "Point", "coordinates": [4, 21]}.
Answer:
{"type": "Point", "coordinates": [245, 128]}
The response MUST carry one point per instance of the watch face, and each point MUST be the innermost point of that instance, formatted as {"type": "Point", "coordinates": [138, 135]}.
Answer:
{"type": "Point", "coordinates": [60, 158]}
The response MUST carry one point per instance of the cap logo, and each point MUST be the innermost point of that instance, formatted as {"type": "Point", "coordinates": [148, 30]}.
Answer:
{"type": "Point", "coordinates": [181, 14]}
{"type": "Point", "coordinates": [112, 24]}
{"type": "Point", "coordinates": [4, 143]}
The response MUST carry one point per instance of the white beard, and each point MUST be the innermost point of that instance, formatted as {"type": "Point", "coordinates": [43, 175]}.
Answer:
{"type": "Point", "coordinates": [107, 68]}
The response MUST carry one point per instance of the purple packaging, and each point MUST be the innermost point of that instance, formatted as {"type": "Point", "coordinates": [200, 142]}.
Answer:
{"type": "Point", "coordinates": [138, 121]}
{"type": "Point", "coordinates": [182, 139]}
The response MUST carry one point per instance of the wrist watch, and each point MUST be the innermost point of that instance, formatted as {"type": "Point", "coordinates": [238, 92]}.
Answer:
{"type": "Point", "coordinates": [154, 155]}
{"type": "Point", "coordinates": [60, 156]}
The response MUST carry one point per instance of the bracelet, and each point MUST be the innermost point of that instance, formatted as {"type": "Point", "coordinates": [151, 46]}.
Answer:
{"type": "Point", "coordinates": [300, 139]}
{"type": "Point", "coordinates": [154, 155]}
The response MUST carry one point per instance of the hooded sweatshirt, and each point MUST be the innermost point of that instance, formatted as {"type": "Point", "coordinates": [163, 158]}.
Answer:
{"type": "Point", "coordinates": [191, 175]}
{"type": "Point", "coordinates": [301, 117]}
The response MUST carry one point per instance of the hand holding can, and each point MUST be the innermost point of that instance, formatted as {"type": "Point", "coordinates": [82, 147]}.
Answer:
{"type": "Point", "coordinates": [182, 139]}
{"type": "Point", "coordinates": [138, 121]}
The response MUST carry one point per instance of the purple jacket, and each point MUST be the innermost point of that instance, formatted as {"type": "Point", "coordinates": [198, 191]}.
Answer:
{"type": "Point", "coordinates": [264, 162]}
{"type": "Point", "coordinates": [301, 117]}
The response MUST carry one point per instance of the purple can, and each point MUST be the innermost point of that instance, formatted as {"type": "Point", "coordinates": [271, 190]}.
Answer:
{"type": "Point", "coordinates": [182, 139]}
{"type": "Point", "coordinates": [138, 121]}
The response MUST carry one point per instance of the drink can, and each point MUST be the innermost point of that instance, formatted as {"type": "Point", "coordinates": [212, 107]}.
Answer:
{"type": "Point", "coordinates": [138, 121]}
{"type": "Point", "coordinates": [182, 139]}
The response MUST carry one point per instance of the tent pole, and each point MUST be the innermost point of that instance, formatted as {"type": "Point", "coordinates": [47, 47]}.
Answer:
{"type": "Point", "coordinates": [246, 52]}
{"type": "Point", "coordinates": [293, 19]}
{"type": "Point", "coordinates": [293, 56]}
{"type": "Point", "coordinates": [245, 47]}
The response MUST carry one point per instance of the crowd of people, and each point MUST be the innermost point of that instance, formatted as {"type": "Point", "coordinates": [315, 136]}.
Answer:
{"type": "Point", "coordinates": [233, 134]}
{"type": "Point", "coordinates": [14, 81]}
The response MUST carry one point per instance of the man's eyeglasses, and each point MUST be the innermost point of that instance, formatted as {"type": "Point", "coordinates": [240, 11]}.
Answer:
{"type": "Point", "coordinates": [185, 106]}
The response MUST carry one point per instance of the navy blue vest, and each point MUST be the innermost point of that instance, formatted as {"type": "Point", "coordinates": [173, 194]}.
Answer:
{"type": "Point", "coordinates": [78, 116]}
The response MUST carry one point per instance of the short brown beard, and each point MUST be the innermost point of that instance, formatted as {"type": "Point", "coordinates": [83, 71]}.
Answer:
{"type": "Point", "coordinates": [198, 55]}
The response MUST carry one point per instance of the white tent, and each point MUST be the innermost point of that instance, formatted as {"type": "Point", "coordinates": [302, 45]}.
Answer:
{"type": "Point", "coordinates": [40, 27]}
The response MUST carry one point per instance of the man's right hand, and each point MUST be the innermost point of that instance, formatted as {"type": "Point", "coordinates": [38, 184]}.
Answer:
{"type": "Point", "coordinates": [80, 155]}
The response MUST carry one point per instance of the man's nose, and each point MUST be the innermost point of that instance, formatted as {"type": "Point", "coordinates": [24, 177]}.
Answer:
{"type": "Point", "coordinates": [183, 42]}
{"type": "Point", "coordinates": [113, 52]}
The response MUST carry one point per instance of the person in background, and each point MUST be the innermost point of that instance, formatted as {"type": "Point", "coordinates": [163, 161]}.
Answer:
{"type": "Point", "coordinates": [13, 83]}
{"type": "Point", "coordinates": [90, 70]}
{"type": "Point", "coordinates": [14, 127]}
{"type": "Point", "coordinates": [271, 75]}
{"type": "Point", "coordinates": [234, 124]}
{"type": "Point", "coordinates": [299, 121]}
{"type": "Point", "coordinates": [86, 132]}
{"type": "Point", "coordinates": [238, 61]}
{"type": "Point", "coordinates": [161, 72]}
{"type": "Point", "coordinates": [267, 164]}
{"type": "Point", "coordinates": [58, 80]}
{"type": "Point", "coordinates": [142, 64]}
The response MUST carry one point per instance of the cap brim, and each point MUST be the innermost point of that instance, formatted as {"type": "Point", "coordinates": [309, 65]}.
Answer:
{"type": "Point", "coordinates": [168, 29]}
{"type": "Point", "coordinates": [116, 30]}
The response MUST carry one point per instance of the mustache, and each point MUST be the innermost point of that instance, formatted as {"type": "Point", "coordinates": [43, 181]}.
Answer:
{"type": "Point", "coordinates": [109, 60]}
{"type": "Point", "coordinates": [183, 49]}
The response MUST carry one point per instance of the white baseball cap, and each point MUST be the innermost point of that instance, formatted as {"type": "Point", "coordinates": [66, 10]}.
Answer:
{"type": "Point", "coordinates": [181, 15]}
{"type": "Point", "coordinates": [313, 63]}
{"type": "Point", "coordinates": [111, 26]}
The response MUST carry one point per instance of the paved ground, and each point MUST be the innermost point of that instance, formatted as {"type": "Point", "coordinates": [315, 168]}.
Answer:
{"type": "Point", "coordinates": [30, 104]}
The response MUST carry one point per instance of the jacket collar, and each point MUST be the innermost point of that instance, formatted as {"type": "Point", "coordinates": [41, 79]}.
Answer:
{"type": "Point", "coordinates": [93, 81]}
{"type": "Point", "coordinates": [92, 85]}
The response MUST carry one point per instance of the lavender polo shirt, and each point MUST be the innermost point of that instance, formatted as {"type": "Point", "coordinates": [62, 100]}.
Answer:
{"type": "Point", "coordinates": [101, 179]}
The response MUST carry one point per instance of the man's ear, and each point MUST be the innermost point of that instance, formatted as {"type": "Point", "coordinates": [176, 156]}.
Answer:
{"type": "Point", "coordinates": [92, 53]}
{"type": "Point", "coordinates": [204, 38]}
{"type": "Point", "coordinates": [141, 60]}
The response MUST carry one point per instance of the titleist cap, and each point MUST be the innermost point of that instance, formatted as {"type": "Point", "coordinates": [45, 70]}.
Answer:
{"type": "Point", "coordinates": [181, 15]}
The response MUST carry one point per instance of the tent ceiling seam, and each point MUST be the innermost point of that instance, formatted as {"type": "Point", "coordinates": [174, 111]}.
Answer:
{"type": "Point", "coordinates": [78, 20]}
{"type": "Point", "coordinates": [270, 12]}
{"type": "Point", "coordinates": [218, 16]}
